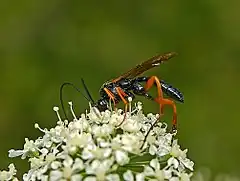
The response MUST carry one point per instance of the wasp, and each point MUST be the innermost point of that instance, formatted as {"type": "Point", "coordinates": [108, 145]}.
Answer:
{"type": "Point", "coordinates": [130, 84]}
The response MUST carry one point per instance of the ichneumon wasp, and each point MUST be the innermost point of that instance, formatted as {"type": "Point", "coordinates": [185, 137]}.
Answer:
{"type": "Point", "coordinates": [129, 84]}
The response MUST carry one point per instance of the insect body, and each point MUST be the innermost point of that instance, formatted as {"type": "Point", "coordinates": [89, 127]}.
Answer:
{"type": "Point", "coordinates": [132, 87]}
{"type": "Point", "coordinates": [129, 84]}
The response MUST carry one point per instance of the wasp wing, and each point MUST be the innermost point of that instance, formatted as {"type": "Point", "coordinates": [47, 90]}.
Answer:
{"type": "Point", "coordinates": [146, 65]}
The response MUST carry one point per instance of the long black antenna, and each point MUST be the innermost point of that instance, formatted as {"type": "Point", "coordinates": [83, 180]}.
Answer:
{"type": "Point", "coordinates": [61, 95]}
{"type": "Point", "coordinates": [87, 91]}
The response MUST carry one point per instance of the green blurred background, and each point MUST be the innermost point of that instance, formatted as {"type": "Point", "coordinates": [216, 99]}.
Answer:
{"type": "Point", "coordinates": [45, 43]}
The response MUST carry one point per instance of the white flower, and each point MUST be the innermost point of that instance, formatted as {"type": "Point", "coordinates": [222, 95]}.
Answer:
{"type": "Point", "coordinates": [181, 155]}
{"type": "Point", "coordinates": [132, 142]}
{"type": "Point", "coordinates": [129, 176]}
{"type": "Point", "coordinates": [15, 153]}
{"type": "Point", "coordinates": [90, 178]}
{"type": "Point", "coordinates": [93, 151]}
{"type": "Point", "coordinates": [104, 146]}
{"type": "Point", "coordinates": [121, 157]}
{"type": "Point", "coordinates": [102, 131]}
{"type": "Point", "coordinates": [80, 140]}
{"type": "Point", "coordinates": [140, 177]}
{"type": "Point", "coordinates": [155, 170]}
{"type": "Point", "coordinates": [36, 162]}
{"type": "Point", "coordinates": [69, 170]}
{"type": "Point", "coordinates": [173, 162]}
{"type": "Point", "coordinates": [152, 149]}
{"type": "Point", "coordinates": [55, 175]}
{"type": "Point", "coordinates": [131, 124]}
{"type": "Point", "coordinates": [29, 147]}
{"type": "Point", "coordinates": [8, 175]}
{"type": "Point", "coordinates": [99, 169]}
{"type": "Point", "coordinates": [113, 177]}
{"type": "Point", "coordinates": [163, 144]}
{"type": "Point", "coordinates": [76, 177]}
{"type": "Point", "coordinates": [185, 176]}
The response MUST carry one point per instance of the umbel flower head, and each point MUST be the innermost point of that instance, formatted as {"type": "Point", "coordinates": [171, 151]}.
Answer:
{"type": "Point", "coordinates": [107, 146]}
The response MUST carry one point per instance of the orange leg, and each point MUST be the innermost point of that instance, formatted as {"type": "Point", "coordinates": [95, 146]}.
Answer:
{"type": "Point", "coordinates": [162, 101]}
{"type": "Point", "coordinates": [111, 96]}
{"type": "Point", "coordinates": [149, 84]}
{"type": "Point", "coordinates": [122, 94]}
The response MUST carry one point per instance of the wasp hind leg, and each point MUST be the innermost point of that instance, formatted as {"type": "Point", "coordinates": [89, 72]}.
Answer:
{"type": "Point", "coordinates": [163, 102]}
{"type": "Point", "coordinates": [150, 81]}
{"type": "Point", "coordinates": [138, 89]}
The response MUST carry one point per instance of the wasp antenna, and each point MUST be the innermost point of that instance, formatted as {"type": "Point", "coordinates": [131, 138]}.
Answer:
{"type": "Point", "coordinates": [61, 95]}
{"type": "Point", "coordinates": [87, 91]}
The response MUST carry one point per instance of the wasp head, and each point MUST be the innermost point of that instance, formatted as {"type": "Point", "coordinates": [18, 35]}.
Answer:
{"type": "Point", "coordinates": [101, 105]}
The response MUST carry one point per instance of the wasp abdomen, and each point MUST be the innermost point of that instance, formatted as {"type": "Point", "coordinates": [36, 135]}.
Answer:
{"type": "Point", "coordinates": [171, 91]}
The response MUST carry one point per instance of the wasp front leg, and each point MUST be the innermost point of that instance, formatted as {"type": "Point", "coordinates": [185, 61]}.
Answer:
{"type": "Point", "coordinates": [111, 96]}
{"type": "Point", "coordinates": [123, 94]}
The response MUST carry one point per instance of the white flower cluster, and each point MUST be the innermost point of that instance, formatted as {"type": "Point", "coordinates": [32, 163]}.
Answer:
{"type": "Point", "coordinates": [9, 175]}
{"type": "Point", "coordinates": [107, 146]}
